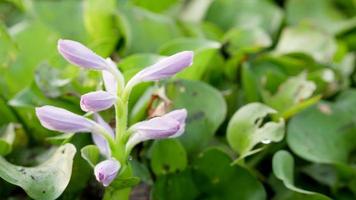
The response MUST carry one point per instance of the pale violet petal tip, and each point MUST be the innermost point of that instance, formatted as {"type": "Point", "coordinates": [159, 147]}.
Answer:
{"type": "Point", "coordinates": [106, 171]}
{"type": "Point", "coordinates": [78, 54]}
{"type": "Point", "coordinates": [164, 68]}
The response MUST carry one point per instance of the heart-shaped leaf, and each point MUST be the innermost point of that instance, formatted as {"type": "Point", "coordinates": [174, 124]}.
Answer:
{"type": "Point", "coordinates": [206, 111]}
{"type": "Point", "coordinates": [325, 133]}
{"type": "Point", "coordinates": [168, 156]}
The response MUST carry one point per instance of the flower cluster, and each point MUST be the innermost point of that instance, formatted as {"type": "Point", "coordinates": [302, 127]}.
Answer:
{"type": "Point", "coordinates": [115, 144]}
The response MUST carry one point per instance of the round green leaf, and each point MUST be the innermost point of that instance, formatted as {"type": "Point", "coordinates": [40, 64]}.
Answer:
{"type": "Point", "coordinates": [217, 179]}
{"type": "Point", "coordinates": [325, 133]}
{"type": "Point", "coordinates": [175, 186]}
{"type": "Point", "coordinates": [206, 111]}
{"type": "Point", "coordinates": [168, 156]}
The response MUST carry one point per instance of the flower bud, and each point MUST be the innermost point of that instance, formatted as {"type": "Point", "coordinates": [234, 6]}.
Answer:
{"type": "Point", "coordinates": [165, 68]}
{"type": "Point", "coordinates": [58, 119]}
{"type": "Point", "coordinates": [97, 101]}
{"type": "Point", "coordinates": [78, 54]}
{"type": "Point", "coordinates": [106, 171]}
{"type": "Point", "coordinates": [169, 125]}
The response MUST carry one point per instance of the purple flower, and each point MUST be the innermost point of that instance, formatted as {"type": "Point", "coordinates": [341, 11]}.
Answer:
{"type": "Point", "coordinates": [106, 171]}
{"type": "Point", "coordinates": [99, 140]}
{"type": "Point", "coordinates": [169, 125]}
{"type": "Point", "coordinates": [58, 119]}
{"type": "Point", "coordinates": [78, 54]}
{"type": "Point", "coordinates": [97, 101]}
{"type": "Point", "coordinates": [165, 68]}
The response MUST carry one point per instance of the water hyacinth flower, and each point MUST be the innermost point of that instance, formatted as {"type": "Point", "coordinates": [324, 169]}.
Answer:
{"type": "Point", "coordinates": [167, 126]}
{"type": "Point", "coordinates": [106, 171]}
{"type": "Point", "coordinates": [115, 145]}
{"type": "Point", "coordinates": [58, 119]}
{"type": "Point", "coordinates": [97, 101]}
{"type": "Point", "coordinates": [78, 54]}
{"type": "Point", "coordinates": [165, 68]}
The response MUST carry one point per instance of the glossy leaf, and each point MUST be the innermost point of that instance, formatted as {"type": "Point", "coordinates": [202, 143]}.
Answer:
{"type": "Point", "coordinates": [201, 100]}
{"type": "Point", "coordinates": [283, 168]}
{"type": "Point", "coordinates": [332, 141]}
{"type": "Point", "coordinates": [217, 179]}
{"type": "Point", "coordinates": [249, 127]}
{"type": "Point", "coordinates": [168, 156]}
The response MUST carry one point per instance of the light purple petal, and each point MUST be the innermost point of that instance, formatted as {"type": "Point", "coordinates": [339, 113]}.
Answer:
{"type": "Point", "coordinates": [165, 68]}
{"type": "Point", "coordinates": [106, 171]}
{"type": "Point", "coordinates": [179, 115]}
{"type": "Point", "coordinates": [97, 101]}
{"type": "Point", "coordinates": [170, 125]}
{"type": "Point", "coordinates": [110, 82]}
{"type": "Point", "coordinates": [99, 140]}
{"type": "Point", "coordinates": [58, 119]}
{"type": "Point", "coordinates": [78, 54]}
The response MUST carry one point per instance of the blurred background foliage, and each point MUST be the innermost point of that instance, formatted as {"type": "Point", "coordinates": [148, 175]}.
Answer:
{"type": "Point", "coordinates": [295, 56]}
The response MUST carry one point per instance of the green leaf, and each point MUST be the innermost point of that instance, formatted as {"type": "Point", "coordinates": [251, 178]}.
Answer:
{"type": "Point", "coordinates": [102, 24]}
{"type": "Point", "coordinates": [145, 31]}
{"type": "Point", "coordinates": [332, 140]}
{"type": "Point", "coordinates": [283, 168]}
{"type": "Point", "coordinates": [91, 154]}
{"type": "Point", "coordinates": [248, 127]}
{"type": "Point", "coordinates": [174, 187]}
{"type": "Point", "coordinates": [246, 14]}
{"type": "Point", "coordinates": [304, 39]}
{"type": "Point", "coordinates": [203, 49]}
{"type": "Point", "coordinates": [121, 183]}
{"type": "Point", "coordinates": [168, 156]}
{"type": "Point", "coordinates": [7, 138]}
{"type": "Point", "coordinates": [246, 40]}
{"type": "Point", "coordinates": [156, 5]}
{"type": "Point", "coordinates": [324, 15]}
{"type": "Point", "coordinates": [31, 34]}
{"type": "Point", "coordinates": [206, 111]}
{"type": "Point", "coordinates": [217, 179]}
{"type": "Point", "coordinates": [46, 181]}
{"type": "Point", "coordinates": [290, 94]}
{"type": "Point", "coordinates": [8, 48]}
{"type": "Point", "coordinates": [54, 14]}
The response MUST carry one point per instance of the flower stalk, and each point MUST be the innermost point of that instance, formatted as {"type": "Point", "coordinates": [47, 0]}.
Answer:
{"type": "Point", "coordinates": [115, 144]}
